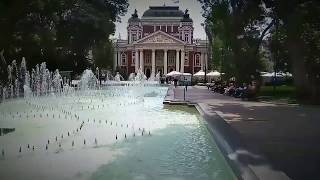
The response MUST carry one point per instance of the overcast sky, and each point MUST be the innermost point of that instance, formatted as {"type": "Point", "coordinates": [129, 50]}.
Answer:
{"type": "Point", "coordinates": [194, 7]}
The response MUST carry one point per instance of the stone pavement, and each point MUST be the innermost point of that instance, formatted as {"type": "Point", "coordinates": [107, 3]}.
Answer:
{"type": "Point", "coordinates": [287, 135]}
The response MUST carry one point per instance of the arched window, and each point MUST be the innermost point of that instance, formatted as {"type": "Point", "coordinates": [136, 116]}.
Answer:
{"type": "Point", "coordinates": [123, 59]}
{"type": "Point", "coordinates": [197, 60]}
{"type": "Point", "coordinates": [186, 37]}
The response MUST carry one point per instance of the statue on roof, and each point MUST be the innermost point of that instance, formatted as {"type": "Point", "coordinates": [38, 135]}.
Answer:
{"type": "Point", "coordinates": [186, 11]}
{"type": "Point", "coordinates": [135, 14]}
{"type": "Point", "coordinates": [186, 14]}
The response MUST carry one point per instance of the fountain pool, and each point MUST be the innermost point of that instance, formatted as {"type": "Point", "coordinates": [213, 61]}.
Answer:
{"type": "Point", "coordinates": [115, 133]}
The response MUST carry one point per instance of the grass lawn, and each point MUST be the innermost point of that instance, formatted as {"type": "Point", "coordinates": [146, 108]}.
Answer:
{"type": "Point", "coordinates": [283, 93]}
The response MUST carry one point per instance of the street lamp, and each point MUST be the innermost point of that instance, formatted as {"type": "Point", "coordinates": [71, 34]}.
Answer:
{"type": "Point", "coordinates": [205, 64]}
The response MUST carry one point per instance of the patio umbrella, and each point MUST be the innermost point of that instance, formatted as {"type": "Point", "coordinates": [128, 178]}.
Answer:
{"type": "Point", "coordinates": [214, 74]}
{"type": "Point", "coordinates": [174, 74]}
{"type": "Point", "coordinates": [186, 74]}
{"type": "Point", "coordinates": [199, 74]}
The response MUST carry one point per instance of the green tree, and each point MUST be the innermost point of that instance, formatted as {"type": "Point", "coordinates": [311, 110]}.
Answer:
{"type": "Point", "coordinates": [60, 32]}
{"type": "Point", "coordinates": [300, 23]}
{"type": "Point", "coordinates": [235, 26]}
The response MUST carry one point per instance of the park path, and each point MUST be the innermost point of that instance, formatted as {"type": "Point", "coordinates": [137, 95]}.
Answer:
{"type": "Point", "coordinates": [287, 135]}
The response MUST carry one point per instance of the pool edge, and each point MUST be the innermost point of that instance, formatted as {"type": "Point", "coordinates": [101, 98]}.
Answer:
{"type": "Point", "coordinates": [231, 146]}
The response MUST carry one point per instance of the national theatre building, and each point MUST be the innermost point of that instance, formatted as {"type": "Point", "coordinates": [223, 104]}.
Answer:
{"type": "Point", "coordinates": [160, 41]}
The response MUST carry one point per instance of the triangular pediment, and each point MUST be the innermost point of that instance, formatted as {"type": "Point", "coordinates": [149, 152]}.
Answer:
{"type": "Point", "coordinates": [159, 37]}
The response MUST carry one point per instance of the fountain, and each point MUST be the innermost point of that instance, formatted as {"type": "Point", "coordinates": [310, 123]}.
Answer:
{"type": "Point", "coordinates": [131, 77]}
{"type": "Point", "coordinates": [88, 80]}
{"type": "Point", "coordinates": [61, 125]}
{"type": "Point", "coordinates": [118, 77]}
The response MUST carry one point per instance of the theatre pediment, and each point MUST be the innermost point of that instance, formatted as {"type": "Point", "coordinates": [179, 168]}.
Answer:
{"type": "Point", "coordinates": [159, 37]}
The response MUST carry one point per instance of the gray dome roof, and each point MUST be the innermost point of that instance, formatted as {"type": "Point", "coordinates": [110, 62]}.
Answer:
{"type": "Point", "coordinates": [134, 17]}
{"type": "Point", "coordinates": [163, 11]}
{"type": "Point", "coordinates": [186, 18]}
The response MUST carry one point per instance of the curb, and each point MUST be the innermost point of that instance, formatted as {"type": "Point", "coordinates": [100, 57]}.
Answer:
{"type": "Point", "coordinates": [233, 149]}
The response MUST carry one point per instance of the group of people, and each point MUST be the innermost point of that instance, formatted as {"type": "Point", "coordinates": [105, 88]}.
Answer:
{"type": "Point", "coordinates": [243, 91]}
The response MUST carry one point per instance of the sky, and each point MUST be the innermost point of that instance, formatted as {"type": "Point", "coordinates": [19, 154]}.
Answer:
{"type": "Point", "coordinates": [194, 7]}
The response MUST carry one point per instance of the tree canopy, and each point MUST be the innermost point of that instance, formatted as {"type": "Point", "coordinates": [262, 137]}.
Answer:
{"type": "Point", "coordinates": [60, 32]}
{"type": "Point", "coordinates": [290, 30]}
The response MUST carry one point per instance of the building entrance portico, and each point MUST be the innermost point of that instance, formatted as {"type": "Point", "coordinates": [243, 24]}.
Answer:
{"type": "Point", "coordinates": [161, 51]}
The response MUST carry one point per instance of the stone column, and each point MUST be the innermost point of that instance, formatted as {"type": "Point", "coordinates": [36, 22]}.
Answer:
{"type": "Point", "coordinates": [153, 62]}
{"type": "Point", "coordinates": [119, 59]}
{"type": "Point", "coordinates": [115, 60]}
{"type": "Point", "coordinates": [202, 60]}
{"type": "Point", "coordinates": [165, 62]}
{"type": "Point", "coordinates": [141, 60]}
{"type": "Point", "coordinates": [136, 61]}
{"type": "Point", "coordinates": [182, 61]}
{"type": "Point", "coordinates": [177, 60]}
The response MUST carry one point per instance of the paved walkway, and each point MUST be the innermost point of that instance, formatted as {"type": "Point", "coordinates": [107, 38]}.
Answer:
{"type": "Point", "coordinates": [288, 135]}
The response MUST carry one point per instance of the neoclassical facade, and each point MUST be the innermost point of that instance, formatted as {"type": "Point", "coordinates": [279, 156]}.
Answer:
{"type": "Point", "coordinates": [160, 41]}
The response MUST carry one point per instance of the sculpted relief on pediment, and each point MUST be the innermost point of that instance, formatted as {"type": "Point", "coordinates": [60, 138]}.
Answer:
{"type": "Point", "coordinates": [159, 39]}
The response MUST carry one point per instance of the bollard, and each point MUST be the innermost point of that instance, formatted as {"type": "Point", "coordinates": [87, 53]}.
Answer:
{"type": "Point", "coordinates": [2, 152]}
{"type": "Point", "coordinates": [20, 149]}
{"type": "Point", "coordinates": [46, 147]}
{"type": "Point", "coordinates": [48, 141]}
{"type": "Point", "coordinates": [72, 143]}
{"type": "Point", "coordinates": [56, 138]}
{"type": "Point", "coordinates": [116, 137]}
{"type": "Point", "coordinates": [84, 142]}
{"type": "Point", "coordinates": [28, 146]}
{"type": "Point", "coordinates": [32, 148]}
{"type": "Point", "coordinates": [125, 136]}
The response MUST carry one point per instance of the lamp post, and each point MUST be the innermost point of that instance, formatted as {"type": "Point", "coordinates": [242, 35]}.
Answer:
{"type": "Point", "coordinates": [205, 63]}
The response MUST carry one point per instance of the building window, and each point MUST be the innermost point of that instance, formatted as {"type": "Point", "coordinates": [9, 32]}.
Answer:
{"type": "Point", "coordinates": [171, 58]}
{"type": "Point", "coordinates": [134, 37]}
{"type": "Point", "coordinates": [133, 58]}
{"type": "Point", "coordinates": [186, 37]}
{"type": "Point", "coordinates": [123, 59]}
{"type": "Point", "coordinates": [147, 58]}
{"type": "Point", "coordinates": [197, 60]}
{"type": "Point", "coordinates": [186, 59]}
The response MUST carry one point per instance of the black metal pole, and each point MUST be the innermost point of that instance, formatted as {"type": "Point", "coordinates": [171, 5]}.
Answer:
{"type": "Point", "coordinates": [275, 59]}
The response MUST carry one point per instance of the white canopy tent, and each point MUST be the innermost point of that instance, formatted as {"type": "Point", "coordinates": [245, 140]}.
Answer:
{"type": "Point", "coordinates": [214, 74]}
{"type": "Point", "coordinates": [199, 74]}
{"type": "Point", "coordinates": [174, 74]}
